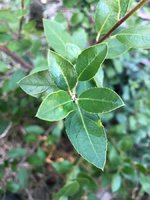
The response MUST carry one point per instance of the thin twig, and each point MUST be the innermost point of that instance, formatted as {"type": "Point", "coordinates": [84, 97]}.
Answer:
{"type": "Point", "coordinates": [21, 20]}
{"type": "Point", "coordinates": [16, 58]}
{"type": "Point", "coordinates": [139, 5]}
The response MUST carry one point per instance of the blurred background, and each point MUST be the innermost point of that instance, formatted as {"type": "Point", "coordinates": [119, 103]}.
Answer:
{"type": "Point", "coordinates": [36, 158]}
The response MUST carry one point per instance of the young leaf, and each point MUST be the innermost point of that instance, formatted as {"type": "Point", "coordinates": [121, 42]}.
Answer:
{"type": "Point", "coordinates": [100, 100]}
{"type": "Point", "coordinates": [62, 71]}
{"type": "Point", "coordinates": [108, 12]}
{"type": "Point", "coordinates": [56, 36]}
{"type": "Point", "coordinates": [55, 106]}
{"type": "Point", "coordinates": [89, 61]}
{"type": "Point", "coordinates": [137, 37]}
{"type": "Point", "coordinates": [38, 83]}
{"type": "Point", "coordinates": [88, 138]}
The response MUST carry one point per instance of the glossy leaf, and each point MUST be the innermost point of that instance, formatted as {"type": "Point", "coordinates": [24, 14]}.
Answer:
{"type": "Point", "coordinates": [100, 100]}
{"type": "Point", "coordinates": [38, 83]}
{"type": "Point", "coordinates": [56, 36]}
{"type": "Point", "coordinates": [55, 107]}
{"type": "Point", "coordinates": [116, 48]}
{"type": "Point", "coordinates": [62, 71]}
{"type": "Point", "coordinates": [108, 12]}
{"type": "Point", "coordinates": [88, 138]}
{"type": "Point", "coordinates": [90, 60]}
{"type": "Point", "coordinates": [137, 37]}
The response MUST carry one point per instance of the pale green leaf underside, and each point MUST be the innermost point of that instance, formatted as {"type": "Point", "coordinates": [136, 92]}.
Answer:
{"type": "Point", "coordinates": [62, 71]}
{"type": "Point", "coordinates": [55, 106]}
{"type": "Point", "coordinates": [137, 37]}
{"type": "Point", "coordinates": [115, 48]}
{"type": "Point", "coordinates": [100, 100]}
{"type": "Point", "coordinates": [88, 138]}
{"type": "Point", "coordinates": [90, 60]}
{"type": "Point", "coordinates": [38, 83]}
{"type": "Point", "coordinates": [56, 36]}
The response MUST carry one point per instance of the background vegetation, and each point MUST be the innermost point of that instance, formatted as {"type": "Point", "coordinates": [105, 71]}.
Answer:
{"type": "Point", "coordinates": [36, 158]}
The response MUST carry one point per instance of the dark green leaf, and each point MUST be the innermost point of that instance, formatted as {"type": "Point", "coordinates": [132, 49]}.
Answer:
{"type": "Point", "coordinates": [100, 100]}
{"type": "Point", "coordinates": [38, 83]}
{"type": "Point", "coordinates": [88, 138]}
{"type": "Point", "coordinates": [90, 60]}
{"type": "Point", "coordinates": [55, 106]}
{"type": "Point", "coordinates": [62, 71]}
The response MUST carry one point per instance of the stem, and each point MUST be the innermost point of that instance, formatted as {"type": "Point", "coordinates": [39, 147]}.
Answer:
{"type": "Point", "coordinates": [139, 5]}
{"type": "Point", "coordinates": [21, 20]}
{"type": "Point", "coordinates": [16, 58]}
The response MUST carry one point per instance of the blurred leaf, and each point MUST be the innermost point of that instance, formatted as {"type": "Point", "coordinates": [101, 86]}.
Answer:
{"type": "Point", "coordinates": [17, 153]}
{"type": "Point", "coordinates": [23, 175]}
{"type": "Point", "coordinates": [137, 37]}
{"type": "Point", "coordinates": [62, 167]}
{"type": "Point", "coordinates": [68, 190]}
{"type": "Point", "coordinates": [116, 182]}
{"type": "Point", "coordinates": [56, 36]}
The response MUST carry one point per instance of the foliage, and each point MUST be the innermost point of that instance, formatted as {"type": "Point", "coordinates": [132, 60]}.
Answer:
{"type": "Point", "coordinates": [72, 86]}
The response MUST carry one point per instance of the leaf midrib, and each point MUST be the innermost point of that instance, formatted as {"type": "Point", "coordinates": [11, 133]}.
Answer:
{"type": "Point", "coordinates": [102, 100]}
{"type": "Point", "coordinates": [87, 132]}
{"type": "Point", "coordinates": [57, 106]}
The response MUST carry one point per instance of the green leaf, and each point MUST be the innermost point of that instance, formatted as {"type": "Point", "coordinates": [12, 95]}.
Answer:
{"type": "Point", "coordinates": [116, 182]}
{"type": "Point", "coordinates": [115, 48]}
{"type": "Point", "coordinates": [124, 4]}
{"type": "Point", "coordinates": [99, 77]}
{"type": "Point", "coordinates": [68, 190]}
{"type": "Point", "coordinates": [17, 153]}
{"type": "Point", "coordinates": [56, 36]}
{"type": "Point", "coordinates": [89, 61]}
{"type": "Point", "coordinates": [88, 138]}
{"type": "Point", "coordinates": [72, 51]}
{"type": "Point", "coordinates": [137, 37]}
{"type": "Point", "coordinates": [100, 100]}
{"type": "Point", "coordinates": [145, 182]}
{"type": "Point", "coordinates": [38, 83]}
{"type": "Point", "coordinates": [80, 38]}
{"type": "Point", "coordinates": [62, 71]}
{"type": "Point", "coordinates": [23, 176]}
{"type": "Point", "coordinates": [108, 12]}
{"type": "Point", "coordinates": [83, 86]}
{"type": "Point", "coordinates": [55, 106]}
